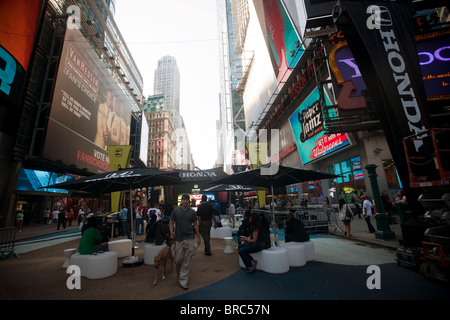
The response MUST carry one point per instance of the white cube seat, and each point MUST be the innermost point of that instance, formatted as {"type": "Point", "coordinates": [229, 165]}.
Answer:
{"type": "Point", "coordinates": [220, 233]}
{"type": "Point", "coordinates": [123, 247]}
{"type": "Point", "coordinates": [273, 260]}
{"type": "Point", "coordinates": [151, 250]}
{"type": "Point", "coordinates": [310, 250]}
{"type": "Point", "coordinates": [296, 253]}
{"type": "Point", "coordinates": [96, 266]}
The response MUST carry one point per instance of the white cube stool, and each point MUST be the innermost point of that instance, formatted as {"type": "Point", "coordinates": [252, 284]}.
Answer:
{"type": "Point", "coordinates": [228, 242]}
{"type": "Point", "coordinates": [220, 233]}
{"type": "Point", "coordinates": [151, 251]}
{"type": "Point", "coordinates": [122, 247]}
{"type": "Point", "coordinates": [273, 260]}
{"type": "Point", "coordinates": [296, 253]}
{"type": "Point", "coordinates": [68, 253]}
{"type": "Point", "coordinates": [96, 266]}
{"type": "Point", "coordinates": [310, 250]}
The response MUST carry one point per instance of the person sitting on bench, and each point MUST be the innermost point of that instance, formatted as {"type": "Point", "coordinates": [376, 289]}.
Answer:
{"type": "Point", "coordinates": [295, 230]}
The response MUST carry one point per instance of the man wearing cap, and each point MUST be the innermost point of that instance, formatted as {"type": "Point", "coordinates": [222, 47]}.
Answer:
{"type": "Point", "coordinates": [183, 227]}
{"type": "Point", "coordinates": [367, 212]}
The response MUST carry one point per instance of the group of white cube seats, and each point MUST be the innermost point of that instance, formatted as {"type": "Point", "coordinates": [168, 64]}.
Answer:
{"type": "Point", "coordinates": [101, 265]}
{"type": "Point", "coordinates": [277, 259]}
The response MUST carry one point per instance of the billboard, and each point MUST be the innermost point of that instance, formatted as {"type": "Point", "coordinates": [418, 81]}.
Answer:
{"type": "Point", "coordinates": [381, 35]}
{"type": "Point", "coordinates": [434, 60]}
{"type": "Point", "coordinates": [36, 180]}
{"type": "Point", "coordinates": [308, 129]}
{"type": "Point", "coordinates": [281, 37]}
{"type": "Point", "coordinates": [18, 24]}
{"type": "Point", "coordinates": [89, 109]}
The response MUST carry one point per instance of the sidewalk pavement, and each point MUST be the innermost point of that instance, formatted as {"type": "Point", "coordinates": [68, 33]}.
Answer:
{"type": "Point", "coordinates": [360, 233]}
{"type": "Point", "coordinates": [37, 230]}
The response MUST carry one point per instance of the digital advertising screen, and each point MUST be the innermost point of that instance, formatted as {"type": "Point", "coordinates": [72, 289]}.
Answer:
{"type": "Point", "coordinates": [89, 109]}
{"type": "Point", "coordinates": [434, 60]}
{"type": "Point", "coordinates": [18, 24]}
{"type": "Point", "coordinates": [308, 128]}
{"type": "Point", "coordinates": [35, 180]}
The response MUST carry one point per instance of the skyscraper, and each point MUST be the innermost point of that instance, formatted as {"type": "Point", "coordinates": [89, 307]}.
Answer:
{"type": "Point", "coordinates": [167, 82]}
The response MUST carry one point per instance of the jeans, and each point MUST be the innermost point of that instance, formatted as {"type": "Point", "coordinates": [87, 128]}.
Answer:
{"type": "Point", "coordinates": [125, 230]}
{"type": "Point", "coordinates": [369, 224]}
{"type": "Point", "coordinates": [245, 250]}
{"type": "Point", "coordinates": [140, 222]}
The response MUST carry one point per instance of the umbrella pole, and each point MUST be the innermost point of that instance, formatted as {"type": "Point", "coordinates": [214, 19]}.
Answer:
{"type": "Point", "coordinates": [132, 261]}
{"type": "Point", "coordinates": [133, 231]}
{"type": "Point", "coordinates": [274, 224]}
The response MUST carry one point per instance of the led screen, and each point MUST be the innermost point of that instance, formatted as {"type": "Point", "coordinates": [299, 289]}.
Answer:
{"type": "Point", "coordinates": [308, 128]}
{"type": "Point", "coordinates": [34, 180]}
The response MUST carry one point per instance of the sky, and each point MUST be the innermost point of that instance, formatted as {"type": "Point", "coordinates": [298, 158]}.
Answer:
{"type": "Point", "coordinates": [186, 30]}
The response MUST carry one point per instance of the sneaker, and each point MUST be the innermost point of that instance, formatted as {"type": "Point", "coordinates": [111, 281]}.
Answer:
{"type": "Point", "coordinates": [254, 262]}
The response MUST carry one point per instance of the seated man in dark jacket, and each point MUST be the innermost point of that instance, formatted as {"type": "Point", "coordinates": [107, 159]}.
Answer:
{"type": "Point", "coordinates": [295, 230]}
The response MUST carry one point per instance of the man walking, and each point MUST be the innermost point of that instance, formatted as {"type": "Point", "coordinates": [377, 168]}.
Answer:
{"type": "Point", "coordinates": [206, 216]}
{"type": "Point", "coordinates": [183, 228]}
{"type": "Point", "coordinates": [124, 219]}
{"type": "Point", "coordinates": [367, 213]}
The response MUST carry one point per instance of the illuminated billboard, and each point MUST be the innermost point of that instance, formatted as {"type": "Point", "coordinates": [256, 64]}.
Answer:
{"type": "Point", "coordinates": [434, 60]}
{"type": "Point", "coordinates": [281, 37]}
{"type": "Point", "coordinates": [18, 24]}
{"type": "Point", "coordinates": [308, 129]}
{"type": "Point", "coordinates": [36, 180]}
{"type": "Point", "coordinates": [89, 109]}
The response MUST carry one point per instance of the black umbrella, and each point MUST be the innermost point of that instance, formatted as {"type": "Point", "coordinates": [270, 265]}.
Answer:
{"type": "Point", "coordinates": [232, 187]}
{"type": "Point", "coordinates": [274, 175]}
{"type": "Point", "coordinates": [123, 179]}
{"type": "Point", "coordinates": [120, 180]}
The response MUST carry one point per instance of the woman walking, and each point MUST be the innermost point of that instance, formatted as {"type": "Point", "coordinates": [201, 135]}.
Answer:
{"type": "Point", "coordinates": [346, 216]}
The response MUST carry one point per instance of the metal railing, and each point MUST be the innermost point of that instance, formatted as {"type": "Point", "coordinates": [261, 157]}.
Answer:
{"type": "Point", "coordinates": [7, 242]}
{"type": "Point", "coordinates": [315, 220]}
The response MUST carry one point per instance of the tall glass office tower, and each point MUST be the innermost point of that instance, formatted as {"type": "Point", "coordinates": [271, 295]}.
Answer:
{"type": "Point", "coordinates": [167, 82]}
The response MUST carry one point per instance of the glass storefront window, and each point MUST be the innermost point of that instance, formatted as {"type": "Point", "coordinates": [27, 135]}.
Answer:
{"type": "Point", "coordinates": [352, 178]}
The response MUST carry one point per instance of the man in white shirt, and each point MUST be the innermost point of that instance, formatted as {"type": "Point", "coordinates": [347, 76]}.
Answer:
{"type": "Point", "coordinates": [231, 213]}
{"type": "Point", "coordinates": [155, 210]}
{"type": "Point", "coordinates": [139, 220]}
{"type": "Point", "coordinates": [367, 212]}
{"type": "Point", "coordinates": [55, 214]}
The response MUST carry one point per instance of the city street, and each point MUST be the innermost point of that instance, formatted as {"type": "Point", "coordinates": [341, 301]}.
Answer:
{"type": "Point", "coordinates": [338, 272]}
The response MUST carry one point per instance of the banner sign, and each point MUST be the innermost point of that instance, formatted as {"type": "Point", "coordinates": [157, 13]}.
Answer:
{"type": "Point", "coordinates": [381, 37]}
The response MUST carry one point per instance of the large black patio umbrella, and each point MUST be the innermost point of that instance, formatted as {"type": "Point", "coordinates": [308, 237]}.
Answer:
{"type": "Point", "coordinates": [231, 188]}
{"type": "Point", "coordinates": [274, 175]}
{"type": "Point", "coordinates": [123, 179]}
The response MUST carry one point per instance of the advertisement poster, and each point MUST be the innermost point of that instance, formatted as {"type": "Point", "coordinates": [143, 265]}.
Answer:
{"type": "Point", "coordinates": [89, 109]}
{"type": "Point", "coordinates": [281, 37]}
{"type": "Point", "coordinates": [308, 128]}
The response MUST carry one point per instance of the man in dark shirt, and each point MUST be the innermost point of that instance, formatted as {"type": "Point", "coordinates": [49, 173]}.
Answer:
{"type": "Point", "coordinates": [295, 231]}
{"type": "Point", "coordinates": [206, 216]}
